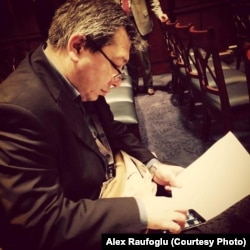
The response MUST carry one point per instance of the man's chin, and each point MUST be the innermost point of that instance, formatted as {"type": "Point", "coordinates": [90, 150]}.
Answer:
{"type": "Point", "coordinates": [93, 98]}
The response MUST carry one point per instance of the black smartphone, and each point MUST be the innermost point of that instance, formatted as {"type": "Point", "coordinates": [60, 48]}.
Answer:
{"type": "Point", "coordinates": [194, 219]}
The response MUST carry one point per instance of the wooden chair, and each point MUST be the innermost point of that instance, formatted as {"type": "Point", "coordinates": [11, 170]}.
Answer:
{"type": "Point", "coordinates": [225, 93]}
{"type": "Point", "coordinates": [242, 26]}
{"type": "Point", "coordinates": [172, 53]}
{"type": "Point", "coordinates": [186, 57]}
{"type": "Point", "coordinates": [246, 48]}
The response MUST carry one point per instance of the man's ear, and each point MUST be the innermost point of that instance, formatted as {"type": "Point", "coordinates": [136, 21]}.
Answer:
{"type": "Point", "coordinates": [76, 46]}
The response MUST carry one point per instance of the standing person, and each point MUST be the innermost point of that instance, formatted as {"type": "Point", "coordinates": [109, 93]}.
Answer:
{"type": "Point", "coordinates": [51, 170]}
{"type": "Point", "coordinates": [138, 11]}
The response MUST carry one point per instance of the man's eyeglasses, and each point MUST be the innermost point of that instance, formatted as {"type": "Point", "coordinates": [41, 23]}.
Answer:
{"type": "Point", "coordinates": [120, 75]}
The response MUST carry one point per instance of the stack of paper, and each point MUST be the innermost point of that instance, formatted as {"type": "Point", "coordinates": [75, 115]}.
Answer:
{"type": "Point", "coordinates": [216, 180]}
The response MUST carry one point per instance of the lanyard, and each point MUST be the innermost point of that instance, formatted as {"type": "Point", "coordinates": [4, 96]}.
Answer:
{"type": "Point", "coordinates": [102, 143]}
{"type": "Point", "coordinates": [104, 146]}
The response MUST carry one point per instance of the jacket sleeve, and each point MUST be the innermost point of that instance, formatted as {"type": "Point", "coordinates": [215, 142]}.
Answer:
{"type": "Point", "coordinates": [34, 212]}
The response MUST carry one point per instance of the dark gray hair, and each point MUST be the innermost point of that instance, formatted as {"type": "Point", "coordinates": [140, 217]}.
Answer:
{"type": "Point", "coordinates": [96, 19]}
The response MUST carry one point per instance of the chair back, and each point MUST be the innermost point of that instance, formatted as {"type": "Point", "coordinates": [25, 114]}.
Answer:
{"type": "Point", "coordinates": [241, 23]}
{"type": "Point", "coordinates": [223, 99]}
{"type": "Point", "coordinates": [186, 60]}
{"type": "Point", "coordinates": [184, 49]}
{"type": "Point", "coordinates": [247, 64]}
{"type": "Point", "coordinates": [242, 28]}
{"type": "Point", "coordinates": [170, 37]}
{"type": "Point", "coordinates": [211, 76]}
{"type": "Point", "coordinates": [172, 54]}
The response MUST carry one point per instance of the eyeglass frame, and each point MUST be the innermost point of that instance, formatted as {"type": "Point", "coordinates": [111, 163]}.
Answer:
{"type": "Point", "coordinates": [118, 77]}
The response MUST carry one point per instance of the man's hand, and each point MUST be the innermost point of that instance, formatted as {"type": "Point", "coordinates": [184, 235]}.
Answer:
{"type": "Point", "coordinates": [166, 175]}
{"type": "Point", "coordinates": [164, 214]}
{"type": "Point", "coordinates": [163, 17]}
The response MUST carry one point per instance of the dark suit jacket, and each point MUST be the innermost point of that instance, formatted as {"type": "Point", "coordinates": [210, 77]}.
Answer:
{"type": "Point", "coordinates": [51, 170]}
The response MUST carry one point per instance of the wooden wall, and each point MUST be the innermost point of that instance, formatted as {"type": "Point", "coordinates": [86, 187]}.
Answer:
{"type": "Point", "coordinates": [19, 33]}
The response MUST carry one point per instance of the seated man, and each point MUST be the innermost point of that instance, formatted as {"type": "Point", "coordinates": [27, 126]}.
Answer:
{"type": "Point", "coordinates": [52, 166]}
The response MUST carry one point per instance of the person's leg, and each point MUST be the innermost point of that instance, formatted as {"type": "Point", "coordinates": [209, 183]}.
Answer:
{"type": "Point", "coordinates": [147, 72]}
{"type": "Point", "coordinates": [133, 72]}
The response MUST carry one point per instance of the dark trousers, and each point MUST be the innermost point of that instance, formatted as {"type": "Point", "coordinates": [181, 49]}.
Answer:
{"type": "Point", "coordinates": [146, 70]}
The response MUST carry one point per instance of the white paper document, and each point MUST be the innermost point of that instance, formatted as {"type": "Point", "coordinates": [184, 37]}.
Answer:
{"type": "Point", "coordinates": [216, 180]}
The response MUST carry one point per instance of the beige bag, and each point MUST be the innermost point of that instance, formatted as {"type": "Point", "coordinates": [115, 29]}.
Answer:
{"type": "Point", "coordinates": [132, 179]}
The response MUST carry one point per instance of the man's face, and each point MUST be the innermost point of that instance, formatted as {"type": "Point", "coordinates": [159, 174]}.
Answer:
{"type": "Point", "coordinates": [94, 73]}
